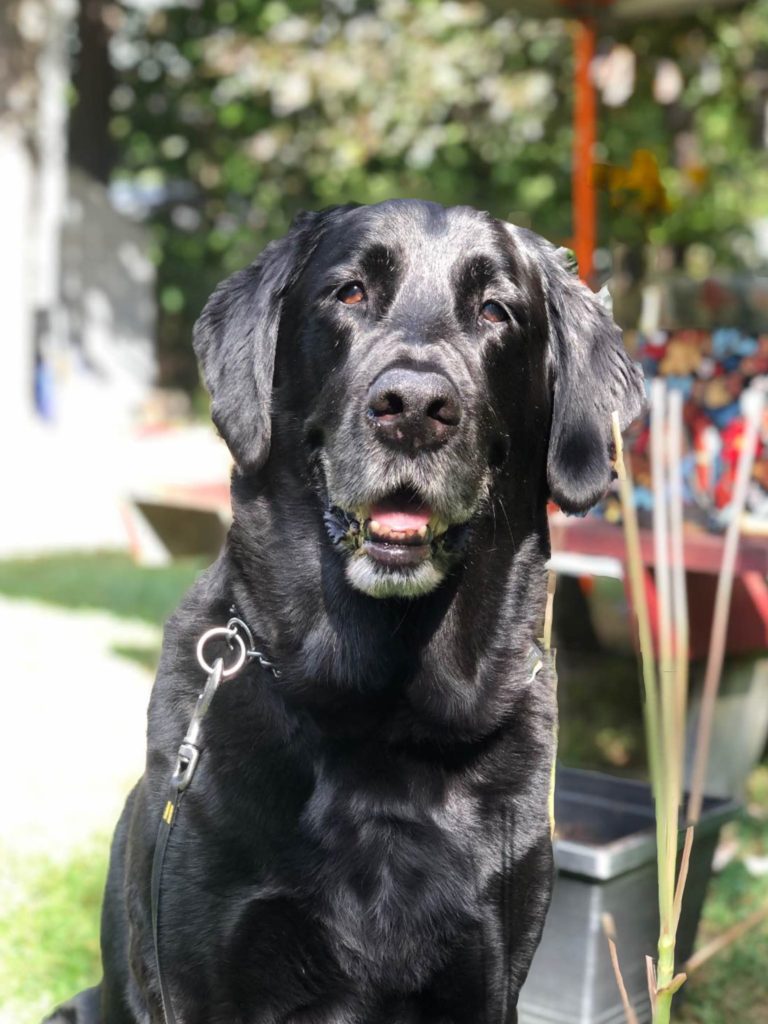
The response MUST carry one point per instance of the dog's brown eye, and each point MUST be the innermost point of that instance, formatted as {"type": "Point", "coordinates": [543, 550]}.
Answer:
{"type": "Point", "coordinates": [493, 313]}
{"type": "Point", "coordinates": [351, 293]}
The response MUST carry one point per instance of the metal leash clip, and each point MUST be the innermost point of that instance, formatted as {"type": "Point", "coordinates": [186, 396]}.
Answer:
{"type": "Point", "coordinates": [239, 640]}
{"type": "Point", "coordinates": [189, 751]}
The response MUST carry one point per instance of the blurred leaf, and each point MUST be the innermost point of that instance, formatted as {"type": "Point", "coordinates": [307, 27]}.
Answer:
{"type": "Point", "coordinates": [251, 111]}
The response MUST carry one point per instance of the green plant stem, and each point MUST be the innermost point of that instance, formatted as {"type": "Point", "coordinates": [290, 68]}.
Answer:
{"type": "Point", "coordinates": [659, 727]}
{"type": "Point", "coordinates": [637, 586]}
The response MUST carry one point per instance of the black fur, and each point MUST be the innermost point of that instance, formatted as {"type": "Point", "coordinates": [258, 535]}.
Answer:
{"type": "Point", "coordinates": [367, 839]}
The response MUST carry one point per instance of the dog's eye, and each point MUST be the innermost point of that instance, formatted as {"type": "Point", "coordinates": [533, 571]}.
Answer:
{"type": "Point", "coordinates": [493, 313]}
{"type": "Point", "coordinates": [351, 293]}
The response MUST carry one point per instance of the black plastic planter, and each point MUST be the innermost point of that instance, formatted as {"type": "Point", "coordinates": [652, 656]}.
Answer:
{"type": "Point", "coordinates": [606, 862]}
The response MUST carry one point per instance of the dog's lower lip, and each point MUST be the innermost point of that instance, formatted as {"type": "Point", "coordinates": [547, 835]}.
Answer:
{"type": "Point", "coordinates": [396, 555]}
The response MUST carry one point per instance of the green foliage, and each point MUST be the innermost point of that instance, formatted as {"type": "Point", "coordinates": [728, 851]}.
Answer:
{"type": "Point", "coordinates": [710, 143]}
{"type": "Point", "coordinates": [241, 116]}
{"type": "Point", "coordinates": [232, 116]}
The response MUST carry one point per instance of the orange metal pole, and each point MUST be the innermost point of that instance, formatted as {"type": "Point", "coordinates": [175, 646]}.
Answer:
{"type": "Point", "coordinates": [584, 138]}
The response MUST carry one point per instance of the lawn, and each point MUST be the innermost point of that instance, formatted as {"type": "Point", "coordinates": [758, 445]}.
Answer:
{"type": "Point", "coordinates": [732, 988]}
{"type": "Point", "coordinates": [107, 581]}
{"type": "Point", "coordinates": [49, 930]}
{"type": "Point", "coordinates": [49, 909]}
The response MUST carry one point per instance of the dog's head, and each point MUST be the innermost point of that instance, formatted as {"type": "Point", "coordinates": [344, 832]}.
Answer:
{"type": "Point", "coordinates": [422, 364]}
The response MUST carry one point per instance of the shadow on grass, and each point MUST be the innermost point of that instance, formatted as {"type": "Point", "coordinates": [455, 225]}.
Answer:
{"type": "Point", "coordinates": [49, 930]}
{"type": "Point", "coordinates": [106, 581]}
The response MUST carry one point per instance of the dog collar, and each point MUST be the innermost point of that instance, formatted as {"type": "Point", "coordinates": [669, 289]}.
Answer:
{"type": "Point", "coordinates": [239, 639]}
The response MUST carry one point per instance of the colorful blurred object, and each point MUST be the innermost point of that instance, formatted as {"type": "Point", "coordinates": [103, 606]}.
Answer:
{"type": "Point", "coordinates": [712, 369]}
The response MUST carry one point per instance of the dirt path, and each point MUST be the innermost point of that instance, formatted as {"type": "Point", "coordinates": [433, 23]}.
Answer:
{"type": "Point", "coordinates": [73, 728]}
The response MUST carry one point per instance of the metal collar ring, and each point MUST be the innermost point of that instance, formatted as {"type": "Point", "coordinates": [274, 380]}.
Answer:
{"type": "Point", "coordinates": [230, 633]}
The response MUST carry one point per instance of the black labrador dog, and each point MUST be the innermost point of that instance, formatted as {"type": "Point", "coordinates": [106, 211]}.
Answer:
{"type": "Point", "coordinates": [367, 839]}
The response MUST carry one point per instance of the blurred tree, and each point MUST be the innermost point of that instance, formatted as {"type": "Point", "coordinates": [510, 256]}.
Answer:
{"type": "Point", "coordinates": [229, 116]}
{"type": "Point", "coordinates": [90, 143]}
{"type": "Point", "coordinates": [21, 41]}
{"type": "Point", "coordinates": [700, 104]}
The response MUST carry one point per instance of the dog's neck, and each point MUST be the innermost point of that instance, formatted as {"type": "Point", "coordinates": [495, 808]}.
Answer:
{"type": "Point", "coordinates": [468, 637]}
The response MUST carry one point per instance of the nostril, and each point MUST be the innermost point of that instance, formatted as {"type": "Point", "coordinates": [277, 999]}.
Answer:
{"type": "Point", "coordinates": [412, 409]}
{"type": "Point", "coordinates": [444, 411]}
{"type": "Point", "coordinates": [387, 404]}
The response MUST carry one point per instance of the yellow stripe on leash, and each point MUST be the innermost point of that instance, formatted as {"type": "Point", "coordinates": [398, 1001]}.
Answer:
{"type": "Point", "coordinates": [168, 813]}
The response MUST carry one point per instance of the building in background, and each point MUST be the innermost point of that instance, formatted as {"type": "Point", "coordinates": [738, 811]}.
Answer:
{"type": "Point", "coordinates": [76, 280]}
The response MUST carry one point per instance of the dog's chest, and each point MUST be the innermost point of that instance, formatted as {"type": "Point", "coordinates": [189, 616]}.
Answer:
{"type": "Point", "coordinates": [401, 862]}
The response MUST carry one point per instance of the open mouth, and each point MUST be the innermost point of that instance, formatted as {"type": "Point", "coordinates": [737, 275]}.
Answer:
{"type": "Point", "coordinates": [398, 531]}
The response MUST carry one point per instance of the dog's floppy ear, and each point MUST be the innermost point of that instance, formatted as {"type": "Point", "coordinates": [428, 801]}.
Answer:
{"type": "Point", "coordinates": [236, 335]}
{"type": "Point", "coordinates": [592, 376]}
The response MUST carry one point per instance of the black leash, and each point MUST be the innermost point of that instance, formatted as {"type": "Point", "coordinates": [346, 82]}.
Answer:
{"type": "Point", "coordinates": [238, 636]}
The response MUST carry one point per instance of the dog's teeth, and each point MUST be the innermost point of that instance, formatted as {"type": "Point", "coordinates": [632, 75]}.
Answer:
{"type": "Point", "coordinates": [379, 529]}
{"type": "Point", "coordinates": [383, 532]}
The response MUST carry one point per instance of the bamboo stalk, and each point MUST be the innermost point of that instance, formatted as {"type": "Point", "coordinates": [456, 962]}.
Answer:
{"type": "Point", "coordinates": [677, 689]}
{"type": "Point", "coordinates": [661, 707]}
{"type": "Point", "coordinates": [682, 877]}
{"type": "Point", "coordinates": [681, 642]}
{"type": "Point", "coordinates": [651, 704]}
{"type": "Point", "coordinates": [755, 403]}
{"type": "Point", "coordinates": [668, 785]}
{"type": "Point", "coordinates": [661, 521]}
{"type": "Point", "coordinates": [650, 975]}
{"type": "Point", "coordinates": [609, 928]}
{"type": "Point", "coordinates": [639, 598]}
{"type": "Point", "coordinates": [549, 610]}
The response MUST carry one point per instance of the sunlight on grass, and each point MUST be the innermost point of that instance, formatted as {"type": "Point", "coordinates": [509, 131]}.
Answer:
{"type": "Point", "coordinates": [109, 581]}
{"type": "Point", "coordinates": [49, 930]}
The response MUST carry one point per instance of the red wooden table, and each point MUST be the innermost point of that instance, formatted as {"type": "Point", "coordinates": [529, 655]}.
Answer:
{"type": "Point", "coordinates": [703, 552]}
{"type": "Point", "coordinates": [594, 538]}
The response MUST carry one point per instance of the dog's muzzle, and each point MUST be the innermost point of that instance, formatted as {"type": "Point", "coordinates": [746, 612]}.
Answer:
{"type": "Point", "coordinates": [397, 546]}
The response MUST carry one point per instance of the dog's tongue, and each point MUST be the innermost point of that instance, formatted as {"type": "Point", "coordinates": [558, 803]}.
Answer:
{"type": "Point", "coordinates": [401, 521]}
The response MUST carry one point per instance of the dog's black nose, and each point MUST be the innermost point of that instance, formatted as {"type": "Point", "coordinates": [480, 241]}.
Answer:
{"type": "Point", "coordinates": [413, 409]}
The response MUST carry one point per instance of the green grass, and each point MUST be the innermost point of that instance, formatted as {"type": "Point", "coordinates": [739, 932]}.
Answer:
{"type": "Point", "coordinates": [106, 581]}
{"type": "Point", "coordinates": [49, 930]}
{"type": "Point", "coordinates": [732, 987]}
{"type": "Point", "coordinates": [49, 910]}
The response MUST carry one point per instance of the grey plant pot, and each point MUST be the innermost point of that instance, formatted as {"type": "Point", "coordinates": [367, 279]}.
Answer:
{"type": "Point", "coordinates": [606, 862]}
